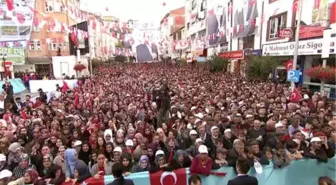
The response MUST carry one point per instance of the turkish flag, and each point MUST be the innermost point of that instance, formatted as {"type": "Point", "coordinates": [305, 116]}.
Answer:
{"type": "Point", "coordinates": [176, 177]}
{"type": "Point", "coordinates": [10, 6]}
{"type": "Point", "coordinates": [295, 96]}
{"type": "Point", "coordinates": [289, 65]}
{"type": "Point", "coordinates": [333, 13]}
{"type": "Point", "coordinates": [93, 181]}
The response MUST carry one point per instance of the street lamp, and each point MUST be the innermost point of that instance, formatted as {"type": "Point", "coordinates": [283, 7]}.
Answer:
{"type": "Point", "coordinates": [4, 56]}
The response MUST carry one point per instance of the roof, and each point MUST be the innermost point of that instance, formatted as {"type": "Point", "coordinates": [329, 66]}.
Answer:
{"type": "Point", "coordinates": [38, 60]}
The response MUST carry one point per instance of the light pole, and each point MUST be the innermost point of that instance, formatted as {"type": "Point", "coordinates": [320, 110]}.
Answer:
{"type": "Point", "coordinates": [4, 56]}
{"type": "Point", "coordinates": [297, 35]}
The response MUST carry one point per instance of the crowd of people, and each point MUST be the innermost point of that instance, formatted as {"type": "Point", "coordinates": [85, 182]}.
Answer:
{"type": "Point", "coordinates": [152, 117]}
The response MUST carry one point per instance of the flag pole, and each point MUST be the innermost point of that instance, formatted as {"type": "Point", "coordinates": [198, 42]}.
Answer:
{"type": "Point", "coordinates": [296, 46]}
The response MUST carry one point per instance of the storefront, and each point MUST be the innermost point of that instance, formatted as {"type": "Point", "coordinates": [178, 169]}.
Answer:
{"type": "Point", "coordinates": [309, 53]}
{"type": "Point", "coordinates": [238, 59]}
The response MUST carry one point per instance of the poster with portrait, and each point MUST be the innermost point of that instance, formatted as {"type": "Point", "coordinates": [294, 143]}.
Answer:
{"type": "Point", "coordinates": [320, 12]}
{"type": "Point", "coordinates": [10, 27]}
{"type": "Point", "coordinates": [216, 22]}
{"type": "Point", "coordinates": [245, 13]}
{"type": "Point", "coordinates": [144, 42]}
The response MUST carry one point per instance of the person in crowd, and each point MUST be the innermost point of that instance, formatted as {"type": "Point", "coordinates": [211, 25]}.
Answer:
{"type": "Point", "coordinates": [23, 166]}
{"type": "Point", "coordinates": [202, 163]}
{"type": "Point", "coordinates": [324, 180]}
{"type": "Point", "coordinates": [180, 160]}
{"type": "Point", "coordinates": [220, 159]}
{"type": "Point", "coordinates": [117, 171]}
{"type": "Point", "coordinates": [160, 162]}
{"type": "Point", "coordinates": [143, 164]}
{"type": "Point", "coordinates": [8, 88]}
{"type": "Point", "coordinates": [29, 177]}
{"type": "Point", "coordinates": [71, 164]}
{"type": "Point", "coordinates": [195, 180]}
{"type": "Point", "coordinates": [280, 157]}
{"type": "Point", "coordinates": [127, 162]}
{"type": "Point", "coordinates": [242, 167]}
{"type": "Point", "coordinates": [102, 167]}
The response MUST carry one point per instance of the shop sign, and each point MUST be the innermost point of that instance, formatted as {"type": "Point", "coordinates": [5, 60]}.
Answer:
{"type": "Point", "coordinates": [257, 52]}
{"type": "Point", "coordinates": [16, 55]}
{"type": "Point", "coordinates": [306, 47]}
{"type": "Point", "coordinates": [233, 54]}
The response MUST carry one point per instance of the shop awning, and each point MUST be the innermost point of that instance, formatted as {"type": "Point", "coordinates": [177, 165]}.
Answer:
{"type": "Point", "coordinates": [38, 60]}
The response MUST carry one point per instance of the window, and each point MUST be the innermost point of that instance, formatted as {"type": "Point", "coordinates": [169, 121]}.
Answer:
{"type": "Point", "coordinates": [38, 45]}
{"type": "Point", "coordinates": [54, 46]}
{"type": "Point", "coordinates": [276, 23]}
{"type": "Point", "coordinates": [32, 45]}
{"type": "Point", "coordinates": [248, 42]}
{"type": "Point", "coordinates": [48, 7]}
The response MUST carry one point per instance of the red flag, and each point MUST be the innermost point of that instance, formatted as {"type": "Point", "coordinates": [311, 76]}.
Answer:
{"type": "Point", "coordinates": [289, 65]}
{"type": "Point", "coordinates": [295, 96]}
{"type": "Point", "coordinates": [10, 6]}
{"type": "Point", "coordinates": [36, 21]}
{"type": "Point", "coordinates": [20, 17]}
{"type": "Point", "coordinates": [176, 177]}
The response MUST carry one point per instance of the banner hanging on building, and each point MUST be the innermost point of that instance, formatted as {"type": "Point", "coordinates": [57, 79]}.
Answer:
{"type": "Point", "coordinates": [16, 24]}
{"type": "Point", "coordinates": [14, 55]}
{"type": "Point", "coordinates": [216, 22]}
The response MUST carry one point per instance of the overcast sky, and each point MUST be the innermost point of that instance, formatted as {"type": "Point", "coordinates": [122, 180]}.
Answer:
{"type": "Point", "coordinates": [147, 10]}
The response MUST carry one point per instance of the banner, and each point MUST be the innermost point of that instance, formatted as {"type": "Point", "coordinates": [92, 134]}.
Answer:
{"type": "Point", "coordinates": [14, 55]}
{"type": "Point", "coordinates": [320, 12]}
{"type": "Point", "coordinates": [303, 171]}
{"type": "Point", "coordinates": [244, 17]}
{"type": "Point", "coordinates": [16, 24]}
{"type": "Point", "coordinates": [216, 22]}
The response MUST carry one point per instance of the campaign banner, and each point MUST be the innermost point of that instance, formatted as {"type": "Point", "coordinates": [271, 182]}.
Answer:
{"type": "Point", "coordinates": [17, 23]}
{"type": "Point", "coordinates": [216, 22]}
{"type": "Point", "coordinates": [298, 172]}
{"type": "Point", "coordinates": [14, 55]}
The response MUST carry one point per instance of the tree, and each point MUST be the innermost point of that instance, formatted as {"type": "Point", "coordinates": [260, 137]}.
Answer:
{"type": "Point", "coordinates": [259, 67]}
{"type": "Point", "coordinates": [217, 63]}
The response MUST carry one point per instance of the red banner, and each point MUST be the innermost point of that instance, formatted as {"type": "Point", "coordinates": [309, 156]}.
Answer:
{"type": "Point", "coordinates": [232, 54]}
{"type": "Point", "coordinates": [333, 13]}
{"type": "Point", "coordinates": [176, 177]}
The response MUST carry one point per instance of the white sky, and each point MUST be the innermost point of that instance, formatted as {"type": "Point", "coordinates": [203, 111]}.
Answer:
{"type": "Point", "coordinates": [146, 10]}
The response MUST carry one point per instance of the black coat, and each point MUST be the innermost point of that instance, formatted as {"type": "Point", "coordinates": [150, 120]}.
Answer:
{"type": "Point", "coordinates": [243, 180]}
{"type": "Point", "coordinates": [121, 181]}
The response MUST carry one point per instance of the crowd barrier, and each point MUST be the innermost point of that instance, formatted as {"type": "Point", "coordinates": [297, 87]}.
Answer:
{"type": "Point", "coordinates": [304, 172]}
{"type": "Point", "coordinates": [49, 85]}
{"type": "Point", "coordinates": [17, 83]}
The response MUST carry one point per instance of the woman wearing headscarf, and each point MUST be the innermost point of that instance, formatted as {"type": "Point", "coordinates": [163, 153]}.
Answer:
{"type": "Point", "coordinates": [143, 164]}
{"type": "Point", "coordinates": [85, 152]}
{"type": "Point", "coordinates": [180, 160]}
{"type": "Point", "coordinates": [127, 162]}
{"type": "Point", "coordinates": [23, 166]}
{"type": "Point", "coordinates": [160, 162]}
{"type": "Point", "coordinates": [108, 135]}
{"type": "Point", "coordinates": [51, 173]}
{"type": "Point", "coordinates": [30, 177]}
{"type": "Point", "coordinates": [59, 159]}
{"type": "Point", "coordinates": [102, 167]}
{"type": "Point", "coordinates": [71, 163]}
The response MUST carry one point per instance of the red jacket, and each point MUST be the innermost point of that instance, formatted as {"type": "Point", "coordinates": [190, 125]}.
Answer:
{"type": "Point", "coordinates": [198, 168]}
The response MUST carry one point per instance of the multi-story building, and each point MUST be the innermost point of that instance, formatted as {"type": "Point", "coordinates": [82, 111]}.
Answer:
{"type": "Point", "coordinates": [170, 28]}
{"type": "Point", "coordinates": [49, 36]}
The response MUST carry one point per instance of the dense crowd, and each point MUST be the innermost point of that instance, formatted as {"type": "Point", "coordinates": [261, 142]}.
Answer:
{"type": "Point", "coordinates": [151, 117]}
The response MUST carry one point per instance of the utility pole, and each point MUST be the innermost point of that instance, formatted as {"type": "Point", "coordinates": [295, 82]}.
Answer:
{"type": "Point", "coordinates": [297, 35]}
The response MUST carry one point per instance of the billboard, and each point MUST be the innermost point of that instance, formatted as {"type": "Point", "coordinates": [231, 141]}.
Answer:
{"type": "Point", "coordinates": [11, 29]}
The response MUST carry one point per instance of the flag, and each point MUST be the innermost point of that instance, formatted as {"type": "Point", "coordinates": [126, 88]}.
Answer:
{"type": "Point", "coordinates": [289, 65]}
{"type": "Point", "coordinates": [20, 18]}
{"type": "Point", "coordinates": [176, 177]}
{"type": "Point", "coordinates": [10, 6]}
{"type": "Point", "coordinates": [93, 181]}
{"type": "Point", "coordinates": [295, 96]}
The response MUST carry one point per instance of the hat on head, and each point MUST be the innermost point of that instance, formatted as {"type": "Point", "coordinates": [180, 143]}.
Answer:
{"type": "Point", "coordinates": [117, 149]}
{"type": "Point", "coordinates": [198, 140]}
{"type": "Point", "coordinates": [213, 128]}
{"type": "Point", "coordinates": [159, 152]}
{"type": "Point", "coordinates": [5, 173]}
{"type": "Point", "coordinates": [227, 130]}
{"type": "Point", "coordinates": [129, 142]}
{"type": "Point", "coordinates": [315, 139]}
{"type": "Point", "coordinates": [199, 115]}
{"type": "Point", "coordinates": [319, 133]}
{"type": "Point", "coordinates": [202, 149]}
{"type": "Point", "coordinates": [192, 132]}
{"type": "Point", "coordinates": [279, 124]}
{"type": "Point", "coordinates": [78, 143]}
